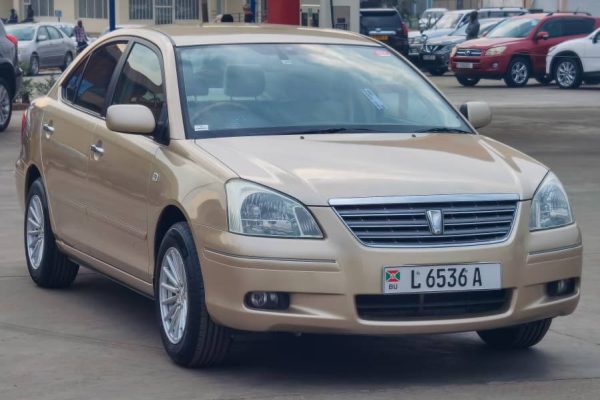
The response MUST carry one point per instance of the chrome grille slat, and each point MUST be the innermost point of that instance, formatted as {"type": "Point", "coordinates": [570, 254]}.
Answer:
{"type": "Point", "coordinates": [468, 52]}
{"type": "Point", "coordinates": [404, 223]}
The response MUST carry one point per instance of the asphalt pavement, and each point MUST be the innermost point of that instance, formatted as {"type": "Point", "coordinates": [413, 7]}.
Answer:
{"type": "Point", "coordinates": [98, 340]}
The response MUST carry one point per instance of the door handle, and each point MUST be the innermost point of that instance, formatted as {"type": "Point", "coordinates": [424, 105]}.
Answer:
{"type": "Point", "coordinates": [97, 149]}
{"type": "Point", "coordinates": [48, 128]}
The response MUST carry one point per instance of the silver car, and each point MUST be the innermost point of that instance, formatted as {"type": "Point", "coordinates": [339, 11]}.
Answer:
{"type": "Point", "coordinates": [42, 46]}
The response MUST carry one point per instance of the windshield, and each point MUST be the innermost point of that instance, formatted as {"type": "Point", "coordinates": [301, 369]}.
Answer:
{"type": "Point", "coordinates": [484, 26]}
{"type": "Point", "coordinates": [260, 89]}
{"type": "Point", "coordinates": [449, 20]}
{"type": "Point", "coordinates": [514, 28]}
{"type": "Point", "coordinates": [21, 33]}
{"type": "Point", "coordinates": [388, 21]}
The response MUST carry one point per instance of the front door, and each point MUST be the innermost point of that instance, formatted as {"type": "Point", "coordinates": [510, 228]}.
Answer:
{"type": "Point", "coordinates": [44, 47]}
{"type": "Point", "coordinates": [121, 170]}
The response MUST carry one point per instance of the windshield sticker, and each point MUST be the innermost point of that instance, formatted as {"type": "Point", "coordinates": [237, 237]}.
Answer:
{"type": "Point", "coordinates": [383, 53]}
{"type": "Point", "coordinates": [286, 61]}
{"type": "Point", "coordinates": [199, 128]}
{"type": "Point", "coordinates": [374, 99]}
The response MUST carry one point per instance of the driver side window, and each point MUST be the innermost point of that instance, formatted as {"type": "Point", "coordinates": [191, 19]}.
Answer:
{"type": "Point", "coordinates": [553, 27]}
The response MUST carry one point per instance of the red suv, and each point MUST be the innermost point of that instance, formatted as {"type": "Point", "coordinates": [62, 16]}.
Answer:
{"type": "Point", "coordinates": [516, 49]}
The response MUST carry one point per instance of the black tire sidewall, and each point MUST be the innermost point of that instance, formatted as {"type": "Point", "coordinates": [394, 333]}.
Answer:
{"type": "Point", "coordinates": [10, 107]}
{"type": "Point", "coordinates": [179, 236]}
{"type": "Point", "coordinates": [508, 77]}
{"type": "Point", "coordinates": [66, 60]}
{"type": "Point", "coordinates": [578, 77]}
{"type": "Point", "coordinates": [41, 274]}
{"type": "Point", "coordinates": [31, 72]}
{"type": "Point", "coordinates": [467, 81]}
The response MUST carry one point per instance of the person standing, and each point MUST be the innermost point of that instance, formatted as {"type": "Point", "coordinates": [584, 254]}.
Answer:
{"type": "Point", "coordinates": [30, 14]}
{"type": "Point", "coordinates": [473, 27]}
{"type": "Point", "coordinates": [248, 14]}
{"type": "Point", "coordinates": [13, 18]}
{"type": "Point", "coordinates": [80, 36]}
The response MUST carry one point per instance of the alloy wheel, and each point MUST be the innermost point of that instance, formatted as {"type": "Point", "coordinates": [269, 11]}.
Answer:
{"type": "Point", "coordinates": [35, 232]}
{"type": "Point", "coordinates": [4, 105]}
{"type": "Point", "coordinates": [566, 73]}
{"type": "Point", "coordinates": [35, 66]}
{"type": "Point", "coordinates": [519, 72]}
{"type": "Point", "coordinates": [173, 295]}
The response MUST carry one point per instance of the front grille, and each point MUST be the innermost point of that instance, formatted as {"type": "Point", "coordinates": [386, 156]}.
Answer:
{"type": "Point", "coordinates": [431, 48]}
{"type": "Point", "coordinates": [468, 52]}
{"type": "Point", "coordinates": [426, 305]}
{"type": "Point", "coordinates": [404, 222]}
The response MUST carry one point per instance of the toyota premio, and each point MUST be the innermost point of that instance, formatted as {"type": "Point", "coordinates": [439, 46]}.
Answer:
{"type": "Point", "coordinates": [294, 180]}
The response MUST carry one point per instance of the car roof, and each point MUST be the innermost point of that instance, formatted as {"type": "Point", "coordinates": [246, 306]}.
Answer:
{"type": "Point", "coordinates": [232, 33]}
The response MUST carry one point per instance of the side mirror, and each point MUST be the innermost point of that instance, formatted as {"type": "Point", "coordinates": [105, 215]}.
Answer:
{"type": "Point", "coordinates": [542, 36]}
{"type": "Point", "coordinates": [42, 38]}
{"type": "Point", "coordinates": [130, 118]}
{"type": "Point", "coordinates": [477, 112]}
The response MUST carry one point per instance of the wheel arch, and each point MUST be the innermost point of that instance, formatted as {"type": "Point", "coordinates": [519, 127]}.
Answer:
{"type": "Point", "coordinates": [33, 173]}
{"type": "Point", "coordinates": [564, 53]}
{"type": "Point", "coordinates": [169, 215]}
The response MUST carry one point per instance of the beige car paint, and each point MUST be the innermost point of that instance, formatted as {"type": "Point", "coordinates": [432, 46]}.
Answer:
{"type": "Point", "coordinates": [106, 210]}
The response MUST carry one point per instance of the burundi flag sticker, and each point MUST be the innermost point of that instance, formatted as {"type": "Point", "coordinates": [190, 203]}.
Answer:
{"type": "Point", "coordinates": [392, 276]}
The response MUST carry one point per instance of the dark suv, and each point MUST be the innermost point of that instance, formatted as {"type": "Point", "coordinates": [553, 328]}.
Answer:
{"type": "Point", "coordinates": [385, 25]}
{"type": "Point", "coordinates": [10, 76]}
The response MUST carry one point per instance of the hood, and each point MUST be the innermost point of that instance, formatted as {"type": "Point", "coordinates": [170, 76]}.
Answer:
{"type": "Point", "coordinates": [485, 43]}
{"type": "Point", "coordinates": [322, 167]}
{"type": "Point", "coordinates": [446, 40]}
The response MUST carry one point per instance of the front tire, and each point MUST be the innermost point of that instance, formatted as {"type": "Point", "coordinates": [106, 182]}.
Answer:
{"type": "Point", "coordinates": [518, 336]}
{"type": "Point", "coordinates": [68, 60]}
{"type": "Point", "coordinates": [5, 105]}
{"type": "Point", "coordinates": [190, 337]}
{"type": "Point", "coordinates": [48, 267]}
{"type": "Point", "coordinates": [34, 65]}
{"type": "Point", "coordinates": [466, 81]}
{"type": "Point", "coordinates": [518, 72]}
{"type": "Point", "coordinates": [568, 73]}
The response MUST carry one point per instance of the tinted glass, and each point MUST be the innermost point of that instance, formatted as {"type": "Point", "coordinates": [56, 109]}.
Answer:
{"type": "Point", "coordinates": [232, 90]}
{"type": "Point", "coordinates": [21, 33]}
{"type": "Point", "coordinates": [554, 28]}
{"type": "Point", "coordinates": [514, 28]}
{"type": "Point", "coordinates": [141, 80]}
{"type": "Point", "coordinates": [383, 20]}
{"type": "Point", "coordinates": [68, 30]}
{"type": "Point", "coordinates": [70, 85]}
{"type": "Point", "coordinates": [578, 26]}
{"type": "Point", "coordinates": [54, 34]}
{"type": "Point", "coordinates": [96, 78]}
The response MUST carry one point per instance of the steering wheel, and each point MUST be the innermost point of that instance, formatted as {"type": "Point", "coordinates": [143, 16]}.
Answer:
{"type": "Point", "coordinates": [222, 107]}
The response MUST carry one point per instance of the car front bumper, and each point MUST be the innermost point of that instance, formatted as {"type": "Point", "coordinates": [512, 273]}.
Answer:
{"type": "Point", "coordinates": [323, 278]}
{"type": "Point", "coordinates": [493, 67]}
{"type": "Point", "coordinates": [440, 60]}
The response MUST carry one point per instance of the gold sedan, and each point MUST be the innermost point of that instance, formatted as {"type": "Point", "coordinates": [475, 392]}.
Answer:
{"type": "Point", "coordinates": [289, 179]}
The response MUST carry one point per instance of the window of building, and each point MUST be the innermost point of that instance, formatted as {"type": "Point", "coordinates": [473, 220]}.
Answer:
{"type": "Point", "coordinates": [92, 9]}
{"type": "Point", "coordinates": [141, 81]}
{"type": "Point", "coordinates": [164, 10]}
{"type": "Point", "coordinates": [41, 8]}
{"type": "Point", "coordinates": [141, 9]}
{"type": "Point", "coordinates": [186, 9]}
{"type": "Point", "coordinates": [92, 89]}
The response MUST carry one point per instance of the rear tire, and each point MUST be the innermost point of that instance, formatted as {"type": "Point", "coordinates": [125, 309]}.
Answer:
{"type": "Point", "coordinates": [518, 336]}
{"type": "Point", "coordinates": [518, 72]}
{"type": "Point", "coordinates": [5, 105]}
{"type": "Point", "coordinates": [190, 336]}
{"type": "Point", "coordinates": [568, 73]}
{"type": "Point", "coordinates": [466, 81]}
{"type": "Point", "coordinates": [48, 267]}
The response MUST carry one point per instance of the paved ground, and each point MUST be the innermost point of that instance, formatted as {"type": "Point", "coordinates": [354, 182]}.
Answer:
{"type": "Point", "coordinates": [99, 341]}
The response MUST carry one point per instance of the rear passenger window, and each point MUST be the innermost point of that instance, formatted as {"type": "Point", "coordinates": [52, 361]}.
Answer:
{"type": "Point", "coordinates": [141, 80]}
{"type": "Point", "coordinates": [69, 88]}
{"type": "Point", "coordinates": [91, 92]}
{"type": "Point", "coordinates": [578, 26]}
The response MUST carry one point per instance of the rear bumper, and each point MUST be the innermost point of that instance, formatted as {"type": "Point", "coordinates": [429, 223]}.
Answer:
{"type": "Point", "coordinates": [323, 278]}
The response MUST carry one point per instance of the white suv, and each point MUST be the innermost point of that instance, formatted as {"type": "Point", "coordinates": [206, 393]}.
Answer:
{"type": "Point", "coordinates": [574, 61]}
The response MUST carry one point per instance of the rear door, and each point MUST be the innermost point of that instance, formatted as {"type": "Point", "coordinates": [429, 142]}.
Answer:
{"type": "Point", "coordinates": [120, 173]}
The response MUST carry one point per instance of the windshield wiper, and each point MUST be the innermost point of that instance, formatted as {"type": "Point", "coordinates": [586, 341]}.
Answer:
{"type": "Point", "coordinates": [443, 130]}
{"type": "Point", "coordinates": [331, 130]}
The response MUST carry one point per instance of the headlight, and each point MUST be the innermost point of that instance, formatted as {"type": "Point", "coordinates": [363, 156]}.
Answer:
{"type": "Point", "coordinates": [259, 211]}
{"type": "Point", "coordinates": [495, 51]}
{"type": "Point", "coordinates": [550, 206]}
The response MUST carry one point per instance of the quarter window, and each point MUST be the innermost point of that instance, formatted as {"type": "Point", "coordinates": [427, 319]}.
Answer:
{"type": "Point", "coordinates": [70, 86]}
{"type": "Point", "coordinates": [91, 92]}
{"type": "Point", "coordinates": [578, 26]}
{"type": "Point", "coordinates": [141, 80]}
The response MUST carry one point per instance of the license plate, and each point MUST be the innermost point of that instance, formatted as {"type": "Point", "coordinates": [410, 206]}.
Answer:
{"type": "Point", "coordinates": [464, 65]}
{"type": "Point", "coordinates": [441, 278]}
{"type": "Point", "coordinates": [428, 57]}
{"type": "Point", "coordinates": [380, 37]}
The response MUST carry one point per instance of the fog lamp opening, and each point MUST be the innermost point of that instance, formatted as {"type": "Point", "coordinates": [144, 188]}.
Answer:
{"type": "Point", "coordinates": [563, 287]}
{"type": "Point", "coordinates": [267, 300]}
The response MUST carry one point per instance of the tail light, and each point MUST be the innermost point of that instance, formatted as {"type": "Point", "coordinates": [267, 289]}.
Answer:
{"type": "Point", "coordinates": [405, 29]}
{"type": "Point", "coordinates": [13, 39]}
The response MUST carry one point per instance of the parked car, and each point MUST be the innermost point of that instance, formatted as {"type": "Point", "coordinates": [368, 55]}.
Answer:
{"type": "Point", "coordinates": [456, 19]}
{"type": "Point", "coordinates": [516, 49]}
{"type": "Point", "coordinates": [415, 43]}
{"type": "Point", "coordinates": [385, 25]}
{"type": "Point", "coordinates": [575, 61]}
{"type": "Point", "coordinates": [435, 54]}
{"type": "Point", "coordinates": [42, 46]}
{"type": "Point", "coordinates": [10, 75]}
{"type": "Point", "coordinates": [289, 179]}
{"type": "Point", "coordinates": [430, 17]}
{"type": "Point", "coordinates": [67, 29]}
